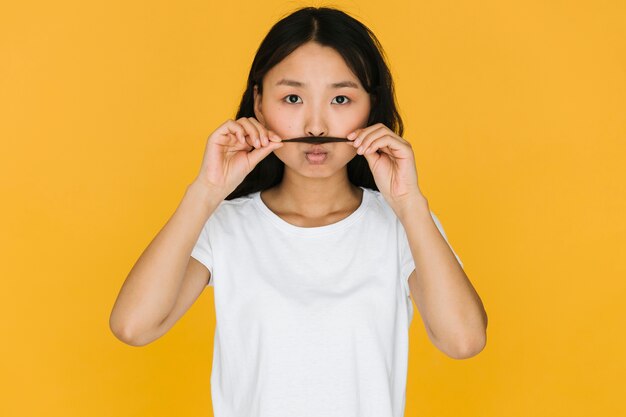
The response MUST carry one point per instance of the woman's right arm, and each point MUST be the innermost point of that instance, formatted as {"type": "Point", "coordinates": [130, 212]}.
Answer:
{"type": "Point", "coordinates": [154, 283]}
{"type": "Point", "coordinates": [165, 280]}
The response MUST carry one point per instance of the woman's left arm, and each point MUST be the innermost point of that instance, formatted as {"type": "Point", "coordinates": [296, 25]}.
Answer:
{"type": "Point", "coordinates": [449, 305]}
{"type": "Point", "coordinates": [448, 302]}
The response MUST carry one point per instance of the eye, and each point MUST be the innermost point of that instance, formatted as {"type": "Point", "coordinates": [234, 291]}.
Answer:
{"type": "Point", "coordinates": [290, 96]}
{"type": "Point", "coordinates": [344, 99]}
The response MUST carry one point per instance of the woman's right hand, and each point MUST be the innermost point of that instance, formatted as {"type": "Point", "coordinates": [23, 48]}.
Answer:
{"type": "Point", "coordinates": [227, 158]}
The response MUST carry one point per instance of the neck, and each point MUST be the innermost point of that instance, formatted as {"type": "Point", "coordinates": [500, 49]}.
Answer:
{"type": "Point", "coordinates": [314, 197]}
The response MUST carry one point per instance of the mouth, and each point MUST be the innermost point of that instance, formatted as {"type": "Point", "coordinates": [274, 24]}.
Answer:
{"type": "Point", "coordinates": [316, 149]}
{"type": "Point", "coordinates": [316, 155]}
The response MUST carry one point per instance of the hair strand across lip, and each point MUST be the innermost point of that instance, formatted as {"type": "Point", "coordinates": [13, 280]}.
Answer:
{"type": "Point", "coordinates": [317, 139]}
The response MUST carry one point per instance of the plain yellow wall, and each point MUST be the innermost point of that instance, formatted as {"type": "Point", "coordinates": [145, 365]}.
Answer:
{"type": "Point", "coordinates": [517, 114]}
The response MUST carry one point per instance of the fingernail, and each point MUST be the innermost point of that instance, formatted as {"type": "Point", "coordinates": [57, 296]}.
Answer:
{"type": "Point", "coordinates": [351, 135]}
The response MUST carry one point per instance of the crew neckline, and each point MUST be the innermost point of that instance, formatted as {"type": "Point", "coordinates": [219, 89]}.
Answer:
{"type": "Point", "coordinates": [318, 230]}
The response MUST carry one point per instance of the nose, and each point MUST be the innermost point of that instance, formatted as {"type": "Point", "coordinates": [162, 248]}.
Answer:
{"type": "Point", "coordinates": [310, 133]}
{"type": "Point", "coordinates": [315, 124]}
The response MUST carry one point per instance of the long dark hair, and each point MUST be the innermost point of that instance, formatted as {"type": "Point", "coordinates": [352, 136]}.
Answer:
{"type": "Point", "coordinates": [363, 54]}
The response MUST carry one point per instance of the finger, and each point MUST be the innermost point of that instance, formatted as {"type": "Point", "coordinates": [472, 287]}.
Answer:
{"type": "Point", "coordinates": [363, 142]}
{"type": "Point", "coordinates": [266, 135]}
{"type": "Point", "coordinates": [241, 144]}
{"type": "Point", "coordinates": [365, 134]}
{"type": "Point", "coordinates": [364, 130]}
{"type": "Point", "coordinates": [262, 130]}
{"type": "Point", "coordinates": [251, 131]}
{"type": "Point", "coordinates": [237, 139]}
{"type": "Point", "coordinates": [361, 133]}
{"type": "Point", "coordinates": [274, 137]}
{"type": "Point", "coordinates": [232, 127]}
{"type": "Point", "coordinates": [258, 155]}
{"type": "Point", "coordinates": [386, 143]}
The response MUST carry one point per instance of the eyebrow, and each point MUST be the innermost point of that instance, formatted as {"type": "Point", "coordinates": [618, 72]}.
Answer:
{"type": "Point", "coordinates": [293, 83]}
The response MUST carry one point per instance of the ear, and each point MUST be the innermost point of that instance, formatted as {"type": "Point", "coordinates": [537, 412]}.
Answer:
{"type": "Point", "coordinates": [257, 105]}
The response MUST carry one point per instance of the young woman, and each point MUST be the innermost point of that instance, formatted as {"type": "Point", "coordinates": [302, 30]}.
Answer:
{"type": "Point", "coordinates": [313, 249]}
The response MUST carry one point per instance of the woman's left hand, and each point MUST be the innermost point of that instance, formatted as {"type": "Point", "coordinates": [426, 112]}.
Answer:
{"type": "Point", "coordinates": [391, 161]}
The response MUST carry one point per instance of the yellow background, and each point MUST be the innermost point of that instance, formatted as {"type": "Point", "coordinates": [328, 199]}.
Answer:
{"type": "Point", "coordinates": [517, 114]}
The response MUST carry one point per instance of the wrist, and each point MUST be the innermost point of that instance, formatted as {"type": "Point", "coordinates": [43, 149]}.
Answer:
{"type": "Point", "coordinates": [209, 195]}
{"type": "Point", "coordinates": [411, 205]}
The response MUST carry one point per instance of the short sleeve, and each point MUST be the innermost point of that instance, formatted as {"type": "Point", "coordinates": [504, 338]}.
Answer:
{"type": "Point", "coordinates": [443, 233]}
{"type": "Point", "coordinates": [407, 264]}
{"type": "Point", "coordinates": [203, 251]}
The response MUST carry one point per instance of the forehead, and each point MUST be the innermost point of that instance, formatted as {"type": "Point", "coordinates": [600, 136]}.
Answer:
{"type": "Point", "coordinates": [313, 65]}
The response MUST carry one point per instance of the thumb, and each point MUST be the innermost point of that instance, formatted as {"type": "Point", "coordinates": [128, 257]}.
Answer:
{"type": "Point", "coordinates": [259, 154]}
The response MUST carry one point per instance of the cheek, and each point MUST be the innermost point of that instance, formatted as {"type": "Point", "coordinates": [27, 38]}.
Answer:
{"type": "Point", "coordinates": [348, 152]}
{"type": "Point", "coordinates": [364, 115]}
{"type": "Point", "coordinates": [347, 121]}
{"type": "Point", "coordinates": [280, 123]}
{"type": "Point", "coordinates": [285, 154]}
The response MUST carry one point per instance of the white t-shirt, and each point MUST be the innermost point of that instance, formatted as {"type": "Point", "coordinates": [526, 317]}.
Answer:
{"type": "Point", "coordinates": [310, 321]}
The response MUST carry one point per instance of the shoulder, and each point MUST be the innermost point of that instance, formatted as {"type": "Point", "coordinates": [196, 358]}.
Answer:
{"type": "Point", "coordinates": [378, 204]}
{"type": "Point", "coordinates": [379, 207]}
{"type": "Point", "coordinates": [236, 204]}
{"type": "Point", "coordinates": [229, 210]}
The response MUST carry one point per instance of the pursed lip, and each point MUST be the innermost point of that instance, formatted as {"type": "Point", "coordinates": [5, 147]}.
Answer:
{"type": "Point", "coordinates": [316, 149]}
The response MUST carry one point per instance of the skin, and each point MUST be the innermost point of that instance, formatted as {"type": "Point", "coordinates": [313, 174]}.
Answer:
{"type": "Point", "coordinates": [313, 195]}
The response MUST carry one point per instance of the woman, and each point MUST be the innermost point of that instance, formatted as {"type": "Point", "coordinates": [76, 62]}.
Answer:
{"type": "Point", "coordinates": [313, 250]}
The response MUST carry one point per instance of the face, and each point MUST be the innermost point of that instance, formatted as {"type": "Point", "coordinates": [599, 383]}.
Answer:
{"type": "Point", "coordinates": [299, 99]}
